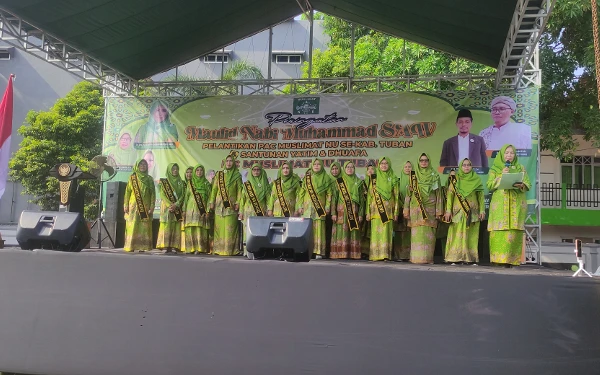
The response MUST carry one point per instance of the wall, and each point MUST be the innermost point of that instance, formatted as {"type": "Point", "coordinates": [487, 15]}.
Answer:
{"type": "Point", "coordinates": [292, 35]}
{"type": "Point", "coordinates": [550, 165]}
{"type": "Point", "coordinates": [37, 86]}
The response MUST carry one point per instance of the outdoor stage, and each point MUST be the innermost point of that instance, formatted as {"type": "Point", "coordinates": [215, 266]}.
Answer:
{"type": "Point", "coordinates": [105, 312]}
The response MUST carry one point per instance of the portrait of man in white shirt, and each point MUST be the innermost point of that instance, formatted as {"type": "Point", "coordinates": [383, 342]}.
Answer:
{"type": "Point", "coordinates": [504, 131]}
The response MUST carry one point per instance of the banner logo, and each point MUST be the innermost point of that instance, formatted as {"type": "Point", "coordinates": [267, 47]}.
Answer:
{"type": "Point", "coordinates": [306, 106]}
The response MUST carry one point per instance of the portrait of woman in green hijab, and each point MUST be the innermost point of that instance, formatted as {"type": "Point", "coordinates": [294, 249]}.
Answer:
{"type": "Point", "coordinates": [349, 209]}
{"type": "Point", "coordinates": [464, 210]}
{"type": "Point", "coordinates": [224, 201]}
{"type": "Point", "coordinates": [508, 209]}
{"type": "Point", "coordinates": [138, 205]}
{"type": "Point", "coordinates": [382, 210]}
{"type": "Point", "coordinates": [158, 131]}
{"type": "Point", "coordinates": [172, 189]}
{"type": "Point", "coordinates": [197, 225]}
{"type": "Point", "coordinates": [284, 191]}
{"type": "Point", "coordinates": [423, 208]}
{"type": "Point", "coordinates": [253, 201]}
{"type": "Point", "coordinates": [123, 152]}
{"type": "Point", "coordinates": [314, 202]}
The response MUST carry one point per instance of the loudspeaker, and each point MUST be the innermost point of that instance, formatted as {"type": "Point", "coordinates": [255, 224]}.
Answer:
{"type": "Point", "coordinates": [62, 231]}
{"type": "Point", "coordinates": [114, 193]}
{"type": "Point", "coordinates": [114, 217]}
{"type": "Point", "coordinates": [282, 233]}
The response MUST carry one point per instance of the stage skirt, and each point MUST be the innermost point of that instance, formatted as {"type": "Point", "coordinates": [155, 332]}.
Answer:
{"type": "Point", "coordinates": [226, 235]}
{"type": "Point", "coordinates": [506, 246]}
{"type": "Point", "coordinates": [462, 243]}
{"type": "Point", "coordinates": [381, 240]}
{"type": "Point", "coordinates": [422, 244]}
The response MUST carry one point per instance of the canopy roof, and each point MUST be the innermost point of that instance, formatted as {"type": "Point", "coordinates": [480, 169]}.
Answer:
{"type": "Point", "coordinates": [140, 38]}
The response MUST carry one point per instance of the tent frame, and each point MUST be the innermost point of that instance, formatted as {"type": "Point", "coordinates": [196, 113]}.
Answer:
{"type": "Point", "coordinates": [518, 68]}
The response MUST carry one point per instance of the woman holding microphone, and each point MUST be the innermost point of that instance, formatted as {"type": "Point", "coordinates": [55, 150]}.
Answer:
{"type": "Point", "coordinates": [508, 209]}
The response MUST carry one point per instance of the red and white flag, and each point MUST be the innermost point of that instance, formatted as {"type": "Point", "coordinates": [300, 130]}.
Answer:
{"type": "Point", "coordinates": [6, 115]}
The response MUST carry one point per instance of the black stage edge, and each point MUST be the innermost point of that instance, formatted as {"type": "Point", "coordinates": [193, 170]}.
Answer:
{"type": "Point", "coordinates": [100, 313]}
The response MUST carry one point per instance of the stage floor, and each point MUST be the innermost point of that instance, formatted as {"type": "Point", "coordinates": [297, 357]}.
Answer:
{"type": "Point", "coordinates": [110, 312]}
{"type": "Point", "coordinates": [525, 269]}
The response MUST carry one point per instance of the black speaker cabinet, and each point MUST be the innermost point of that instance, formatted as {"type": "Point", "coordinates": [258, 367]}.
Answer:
{"type": "Point", "coordinates": [114, 193]}
{"type": "Point", "coordinates": [282, 233]}
{"type": "Point", "coordinates": [62, 231]}
{"type": "Point", "coordinates": [114, 219]}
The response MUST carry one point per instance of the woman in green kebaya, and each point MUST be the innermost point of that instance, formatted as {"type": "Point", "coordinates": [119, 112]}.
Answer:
{"type": "Point", "coordinates": [172, 189]}
{"type": "Point", "coordinates": [314, 202]}
{"type": "Point", "coordinates": [138, 214]}
{"type": "Point", "coordinates": [224, 201]}
{"type": "Point", "coordinates": [196, 213]}
{"type": "Point", "coordinates": [464, 210]}
{"type": "Point", "coordinates": [384, 190]}
{"type": "Point", "coordinates": [508, 209]}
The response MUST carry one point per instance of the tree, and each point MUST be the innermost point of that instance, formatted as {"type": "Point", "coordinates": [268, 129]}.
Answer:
{"type": "Point", "coordinates": [378, 54]}
{"type": "Point", "coordinates": [70, 131]}
{"type": "Point", "coordinates": [568, 97]}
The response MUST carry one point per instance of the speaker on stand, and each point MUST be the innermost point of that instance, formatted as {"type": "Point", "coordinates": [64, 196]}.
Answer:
{"type": "Point", "coordinates": [104, 168]}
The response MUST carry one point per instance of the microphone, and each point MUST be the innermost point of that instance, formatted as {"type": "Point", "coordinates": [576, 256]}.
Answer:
{"type": "Point", "coordinates": [507, 164]}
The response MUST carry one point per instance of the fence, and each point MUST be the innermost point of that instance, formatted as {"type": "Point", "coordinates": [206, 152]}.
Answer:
{"type": "Point", "coordinates": [570, 196]}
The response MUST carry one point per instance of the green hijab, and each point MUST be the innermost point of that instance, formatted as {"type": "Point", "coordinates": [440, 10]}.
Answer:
{"type": "Point", "coordinates": [335, 164]}
{"type": "Point", "coordinates": [289, 182]}
{"type": "Point", "coordinates": [367, 176]}
{"type": "Point", "coordinates": [500, 163]}
{"type": "Point", "coordinates": [175, 181]}
{"type": "Point", "coordinates": [191, 169]}
{"type": "Point", "coordinates": [320, 180]}
{"type": "Point", "coordinates": [467, 182]}
{"type": "Point", "coordinates": [385, 180]}
{"type": "Point", "coordinates": [261, 183]}
{"type": "Point", "coordinates": [428, 178]}
{"type": "Point", "coordinates": [231, 175]}
{"type": "Point", "coordinates": [404, 180]}
{"type": "Point", "coordinates": [143, 177]}
{"type": "Point", "coordinates": [353, 182]}
{"type": "Point", "coordinates": [201, 184]}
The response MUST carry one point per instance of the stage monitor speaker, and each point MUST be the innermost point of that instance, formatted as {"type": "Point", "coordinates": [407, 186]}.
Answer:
{"type": "Point", "coordinates": [282, 233]}
{"type": "Point", "coordinates": [115, 194]}
{"type": "Point", "coordinates": [62, 231]}
{"type": "Point", "coordinates": [114, 217]}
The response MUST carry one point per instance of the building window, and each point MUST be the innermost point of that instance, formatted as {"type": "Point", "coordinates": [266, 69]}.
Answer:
{"type": "Point", "coordinates": [217, 58]}
{"type": "Point", "coordinates": [5, 53]}
{"type": "Point", "coordinates": [580, 171]}
{"type": "Point", "coordinates": [287, 59]}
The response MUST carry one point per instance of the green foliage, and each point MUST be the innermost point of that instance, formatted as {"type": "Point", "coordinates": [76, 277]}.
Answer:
{"type": "Point", "coordinates": [568, 97]}
{"type": "Point", "coordinates": [378, 54]}
{"type": "Point", "coordinates": [70, 131]}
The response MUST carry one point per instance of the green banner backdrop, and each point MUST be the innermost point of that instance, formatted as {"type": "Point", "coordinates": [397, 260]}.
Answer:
{"type": "Point", "coordinates": [336, 127]}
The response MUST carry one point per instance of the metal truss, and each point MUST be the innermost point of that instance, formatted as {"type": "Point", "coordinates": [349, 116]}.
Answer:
{"type": "Point", "coordinates": [427, 83]}
{"type": "Point", "coordinates": [29, 38]}
{"type": "Point", "coordinates": [519, 63]}
{"type": "Point", "coordinates": [533, 221]}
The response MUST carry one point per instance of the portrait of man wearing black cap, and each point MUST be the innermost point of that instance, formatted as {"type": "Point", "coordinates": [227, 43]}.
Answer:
{"type": "Point", "coordinates": [464, 145]}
